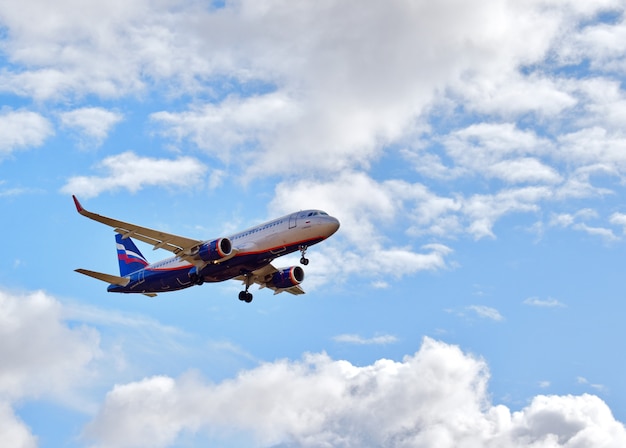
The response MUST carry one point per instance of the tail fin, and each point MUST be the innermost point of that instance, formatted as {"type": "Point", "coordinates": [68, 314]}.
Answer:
{"type": "Point", "coordinates": [129, 257]}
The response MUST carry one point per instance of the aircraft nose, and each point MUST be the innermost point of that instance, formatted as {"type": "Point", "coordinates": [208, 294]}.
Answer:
{"type": "Point", "coordinates": [333, 225]}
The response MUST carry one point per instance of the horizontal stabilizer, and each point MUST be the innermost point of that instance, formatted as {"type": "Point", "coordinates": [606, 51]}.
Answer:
{"type": "Point", "coordinates": [112, 279]}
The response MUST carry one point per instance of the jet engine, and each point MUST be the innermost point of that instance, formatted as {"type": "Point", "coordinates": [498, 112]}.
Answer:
{"type": "Point", "coordinates": [288, 277]}
{"type": "Point", "coordinates": [215, 250]}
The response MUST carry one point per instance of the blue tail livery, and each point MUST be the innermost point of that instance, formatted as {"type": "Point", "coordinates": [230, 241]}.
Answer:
{"type": "Point", "coordinates": [130, 258]}
{"type": "Point", "coordinates": [245, 256]}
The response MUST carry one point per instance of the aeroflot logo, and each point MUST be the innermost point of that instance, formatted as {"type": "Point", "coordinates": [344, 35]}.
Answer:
{"type": "Point", "coordinates": [128, 256]}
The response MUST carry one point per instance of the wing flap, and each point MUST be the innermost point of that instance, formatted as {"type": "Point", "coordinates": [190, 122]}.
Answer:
{"type": "Point", "coordinates": [295, 290]}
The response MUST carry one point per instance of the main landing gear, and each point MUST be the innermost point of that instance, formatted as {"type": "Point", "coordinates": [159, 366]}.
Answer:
{"type": "Point", "coordinates": [244, 295]}
{"type": "Point", "coordinates": [196, 279]}
{"type": "Point", "coordinates": [303, 260]}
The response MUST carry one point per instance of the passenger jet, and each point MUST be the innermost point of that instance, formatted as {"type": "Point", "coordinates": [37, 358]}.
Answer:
{"type": "Point", "coordinates": [246, 256]}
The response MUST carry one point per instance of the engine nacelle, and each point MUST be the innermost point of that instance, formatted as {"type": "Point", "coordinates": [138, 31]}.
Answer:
{"type": "Point", "coordinates": [215, 250]}
{"type": "Point", "coordinates": [288, 277]}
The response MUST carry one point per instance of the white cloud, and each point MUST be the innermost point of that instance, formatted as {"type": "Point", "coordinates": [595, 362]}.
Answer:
{"type": "Point", "coordinates": [575, 221]}
{"type": "Point", "coordinates": [133, 172]}
{"type": "Point", "coordinates": [602, 40]}
{"type": "Point", "coordinates": [524, 170]}
{"type": "Point", "coordinates": [486, 312]}
{"type": "Point", "coordinates": [323, 105]}
{"type": "Point", "coordinates": [483, 210]}
{"type": "Point", "coordinates": [602, 232]}
{"type": "Point", "coordinates": [481, 144]}
{"type": "Point", "coordinates": [436, 397]}
{"type": "Point", "coordinates": [510, 95]}
{"type": "Point", "coordinates": [42, 358]}
{"type": "Point", "coordinates": [548, 303]}
{"type": "Point", "coordinates": [585, 381]}
{"type": "Point", "coordinates": [359, 340]}
{"type": "Point", "coordinates": [365, 208]}
{"type": "Point", "coordinates": [22, 129]}
{"type": "Point", "coordinates": [619, 219]}
{"type": "Point", "coordinates": [568, 219]}
{"type": "Point", "coordinates": [42, 355]}
{"type": "Point", "coordinates": [93, 123]}
{"type": "Point", "coordinates": [289, 86]}
{"type": "Point", "coordinates": [241, 124]}
{"type": "Point", "coordinates": [13, 431]}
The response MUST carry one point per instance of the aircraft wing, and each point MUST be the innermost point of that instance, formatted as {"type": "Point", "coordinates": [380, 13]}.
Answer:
{"type": "Point", "coordinates": [263, 277]}
{"type": "Point", "coordinates": [179, 245]}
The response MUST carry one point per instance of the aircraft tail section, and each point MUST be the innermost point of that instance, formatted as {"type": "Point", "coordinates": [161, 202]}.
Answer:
{"type": "Point", "coordinates": [129, 257]}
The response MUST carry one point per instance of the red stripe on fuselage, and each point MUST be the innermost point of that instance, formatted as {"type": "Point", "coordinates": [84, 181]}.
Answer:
{"type": "Point", "coordinates": [239, 255]}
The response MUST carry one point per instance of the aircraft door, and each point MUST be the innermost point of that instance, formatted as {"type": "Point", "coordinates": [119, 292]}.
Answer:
{"type": "Point", "coordinates": [293, 220]}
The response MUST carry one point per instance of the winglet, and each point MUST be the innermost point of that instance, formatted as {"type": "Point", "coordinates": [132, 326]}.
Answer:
{"type": "Point", "coordinates": [79, 208]}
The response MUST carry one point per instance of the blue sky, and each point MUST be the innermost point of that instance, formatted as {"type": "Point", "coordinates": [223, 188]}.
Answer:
{"type": "Point", "coordinates": [473, 151]}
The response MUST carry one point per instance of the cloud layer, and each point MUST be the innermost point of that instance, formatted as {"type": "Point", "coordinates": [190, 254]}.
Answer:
{"type": "Point", "coordinates": [436, 397]}
{"type": "Point", "coordinates": [522, 104]}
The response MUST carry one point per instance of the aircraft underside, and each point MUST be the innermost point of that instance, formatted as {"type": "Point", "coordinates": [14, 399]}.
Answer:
{"type": "Point", "coordinates": [152, 281]}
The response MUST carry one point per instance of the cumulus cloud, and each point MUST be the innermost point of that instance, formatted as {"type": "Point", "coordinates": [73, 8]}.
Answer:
{"type": "Point", "coordinates": [366, 209]}
{"type": "Point", "coordinates": [22, 129]}
{"type": "Point", "coordinates": [132, 172]}
{"type": "Point", "coordinates": [42, 357]}
{"type": "Point", "coordinates": [324, 91]}
{"type": "Point", "coordinates": [13, 431]}
{"type": "Point", "coordinates": [41, 354]}
{"type": "Point", "coordinates": [242, 124]}
{"type": "Point", "coordinates": [436, 397]}
{"type": "Point", "coordinates": [92, 123]}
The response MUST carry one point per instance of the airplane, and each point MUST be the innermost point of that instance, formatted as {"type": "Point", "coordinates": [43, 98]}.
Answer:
{"type": "Point", "coordinates": [245, 256]}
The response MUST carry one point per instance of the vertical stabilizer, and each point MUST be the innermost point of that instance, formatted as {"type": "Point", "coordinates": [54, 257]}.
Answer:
{"type": "Point", "coordinates": [129, 257]}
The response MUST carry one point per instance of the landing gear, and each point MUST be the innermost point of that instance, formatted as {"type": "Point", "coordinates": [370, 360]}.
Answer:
{"type": "Point", "coordinates": [303, 260]}
{"type": "Point", "coordinates": [244, 295]}
{"type": "Point", "coordinates": [196, 279]}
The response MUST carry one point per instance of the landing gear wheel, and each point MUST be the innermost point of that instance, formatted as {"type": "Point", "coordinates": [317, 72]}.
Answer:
{"type": "Point", "coordinates": [244, 295]}
{"type": "Point", "coordinates": [196, 279]}
{"type": "Point", "coordinates": [303, 260]}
